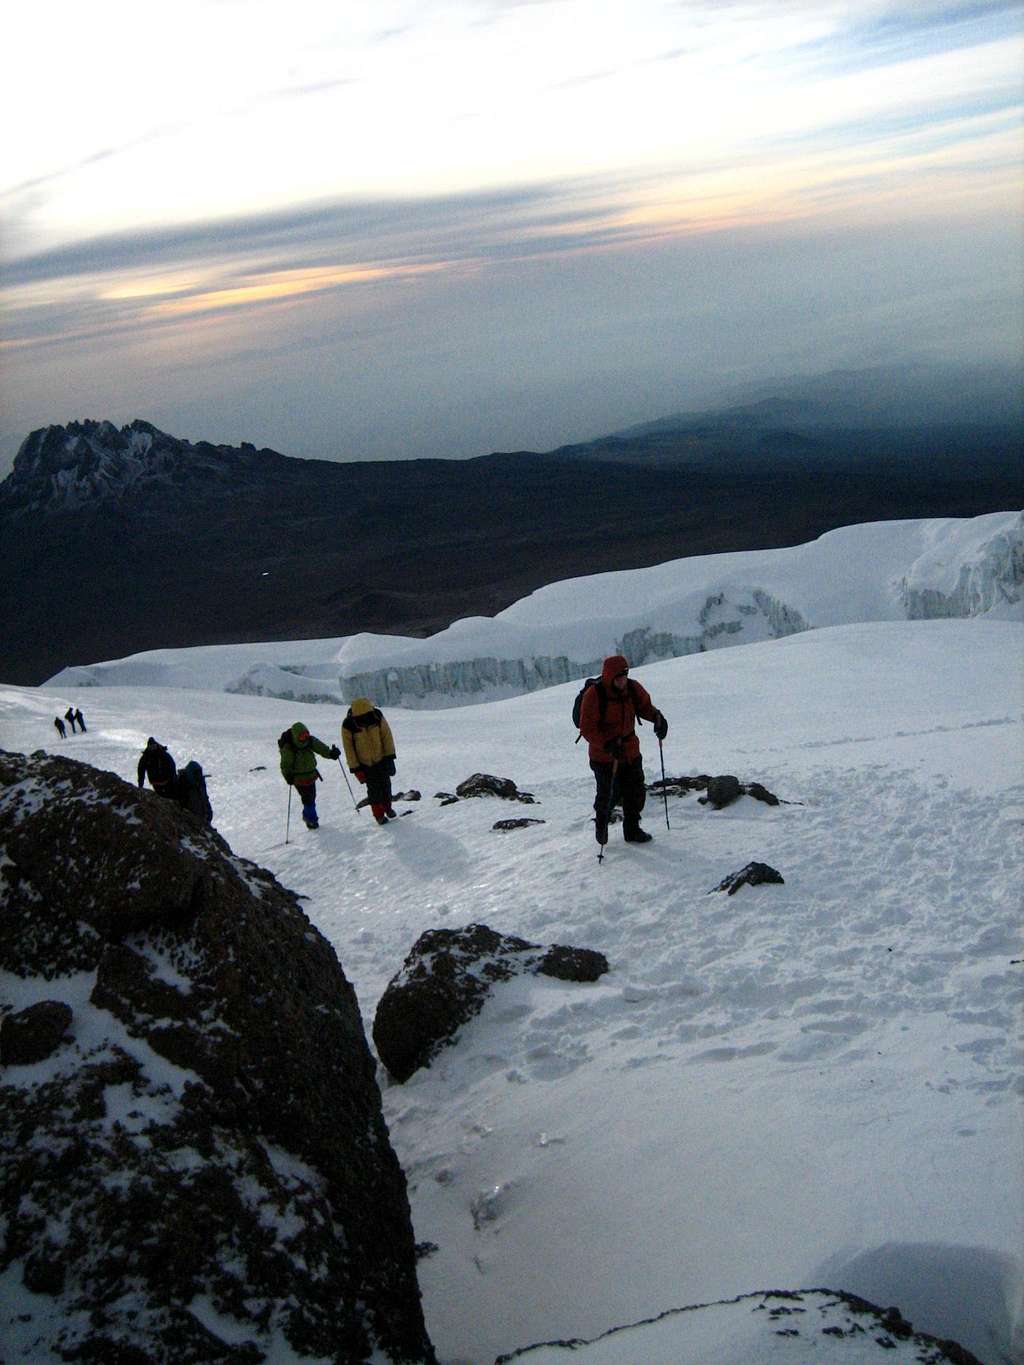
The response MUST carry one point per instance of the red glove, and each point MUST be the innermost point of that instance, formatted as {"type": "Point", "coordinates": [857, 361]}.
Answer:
{"type": "Point", "coordinates": [360, 775]}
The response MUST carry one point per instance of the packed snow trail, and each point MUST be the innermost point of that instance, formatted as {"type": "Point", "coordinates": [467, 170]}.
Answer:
{"type": "Point", "coordinates": [813, 1083]}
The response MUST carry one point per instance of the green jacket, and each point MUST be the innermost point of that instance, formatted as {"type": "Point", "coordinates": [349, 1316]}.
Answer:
{"type": "Point", "coordinates": [298, 756]}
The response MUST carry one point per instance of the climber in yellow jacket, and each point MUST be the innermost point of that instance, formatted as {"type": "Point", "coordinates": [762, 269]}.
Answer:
{"type": "Point", "coordinates": [370, 755]}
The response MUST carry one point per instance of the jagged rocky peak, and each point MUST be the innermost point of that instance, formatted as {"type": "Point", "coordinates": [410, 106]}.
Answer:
{"type": "Point", "coordinates": [83, 462]}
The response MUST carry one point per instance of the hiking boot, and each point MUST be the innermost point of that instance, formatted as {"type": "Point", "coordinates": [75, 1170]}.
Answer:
{"type": "Point", "coordinates": [635, 835]}
{"type": "Point", "coordinates": [381, 819]}
{"type": "Point", "coordinates": [312, 824]}
{"type": "Point", "coordinates": [391, 814]}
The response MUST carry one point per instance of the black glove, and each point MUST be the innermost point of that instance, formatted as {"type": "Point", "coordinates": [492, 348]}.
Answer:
{"type": "Point", "coordinates": [660, 726]}
{"type": "Point", "coordinates": [389, 766]}
{"type": "Point", "coordinates": [614, 747]}
{"type": "Point", "coordinates": [335, 751]}
{"type": "Point", "coordinates": [290, 780]}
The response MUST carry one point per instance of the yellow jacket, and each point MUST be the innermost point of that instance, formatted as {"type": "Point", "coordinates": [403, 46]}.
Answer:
{"type": "Point", "coordinates": [366, 736]}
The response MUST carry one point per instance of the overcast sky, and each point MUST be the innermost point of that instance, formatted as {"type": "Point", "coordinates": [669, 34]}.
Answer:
{"type": "Point", "coordinates": [392, 228]}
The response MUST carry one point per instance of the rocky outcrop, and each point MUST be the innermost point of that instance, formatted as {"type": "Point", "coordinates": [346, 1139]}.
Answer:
{"type": "Point", "coordinates": [90, 462]}
{"type": "Point", "coordinates": [446, 980]}
{"type": "Point", "coordinates": [484, 784]}
{"type": "Point", "coordinates": [194, 1162]}
{"type": "Point", "coordinates": [719, 791]}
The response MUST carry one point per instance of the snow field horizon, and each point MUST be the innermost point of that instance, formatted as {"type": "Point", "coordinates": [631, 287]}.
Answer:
{"type": "Point", "coordinates": [810, 1084]}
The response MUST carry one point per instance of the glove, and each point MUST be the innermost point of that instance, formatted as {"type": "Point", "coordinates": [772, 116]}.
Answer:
{"type": "Point", "coordinates": [290, 781]}
{"type": "Point", "coordinates": [360, 774]}
{"type": "Point", "coordinates": [389, 766]}
{"type": "Point", "coordinates": [335, 751]}
{"type": "Point", "coordinates": [613, 747]}
{"type": "Point", "coordinates": [142, 783]}
{"type": "Point", "coordinates": [660, 726]}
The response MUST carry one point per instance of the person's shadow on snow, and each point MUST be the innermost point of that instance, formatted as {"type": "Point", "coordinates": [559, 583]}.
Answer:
{"type": "Point", "coordinates": [426, 851]}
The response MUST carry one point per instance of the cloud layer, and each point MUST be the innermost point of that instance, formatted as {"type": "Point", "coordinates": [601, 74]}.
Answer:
{"type": "Point", "coordinates": [370, 198]}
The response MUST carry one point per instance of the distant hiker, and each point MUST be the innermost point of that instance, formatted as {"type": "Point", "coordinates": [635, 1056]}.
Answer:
{"type": "Point", "coordinates": [370, 755]}
{"type": "Point", "coordinates": [61, 728]}
{"type": "Point", "coordinates": [69, 716]}
{"type": "Point", "coordinates": [190, 792]}
{"type": "Point", "coordinates": [81, 720]}
{"type": "Point", "coordinates": [608, 714]}
{"type": "Point", "coordinates": [298, 750]}
{"type": "Point", "coordinates": [157, 764]}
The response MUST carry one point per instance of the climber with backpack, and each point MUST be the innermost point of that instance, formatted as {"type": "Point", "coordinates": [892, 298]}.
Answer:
{"type": "Point", "coordinates": [609, 708]}
{"type": "Point", "coordinates": [298, 750]}
{"type": "Point", "coordinates": [370, 755]}
{"type": "Point", "coordinates": [190, 792]}
{"type": "Point", "coordinates": [157, 764]}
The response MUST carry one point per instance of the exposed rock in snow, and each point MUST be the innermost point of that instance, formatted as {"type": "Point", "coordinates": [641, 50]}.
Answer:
{"type": "Point", "coordinates": [483, 784]}
{"type": "Point", "coordinates": [754, 874]}
{"type": "Point", "coordinates": [446, 980]}
{"type": "Point", "coordinates": [194, 1165]}
{"type": "Point", "coordinates": [33, 1034]}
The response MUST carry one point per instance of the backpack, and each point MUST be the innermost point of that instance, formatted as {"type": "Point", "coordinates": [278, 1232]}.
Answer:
{"type": "Point", "coordinates": [602, 701]}
{"type": "Point", "coordinates": [191, 791]}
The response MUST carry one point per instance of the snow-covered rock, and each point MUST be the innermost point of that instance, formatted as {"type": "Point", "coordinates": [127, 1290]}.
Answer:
{"type": "Point", "coordinates": [194, 1164]}
{"type": "Point", "coordinates": [777, 1328]}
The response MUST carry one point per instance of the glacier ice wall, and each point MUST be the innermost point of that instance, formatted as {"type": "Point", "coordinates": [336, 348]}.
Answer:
{"type": "Point", "coordinates": [885, 571]}
{"type": "Point", "coordinates": [990, 578]}
{"type": "Point", "coordinates": [725, 618]}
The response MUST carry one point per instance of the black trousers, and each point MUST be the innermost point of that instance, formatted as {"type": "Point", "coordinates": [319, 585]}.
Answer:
{"type": "Point", "coordinates": [628, 790]}
{"type": "Point", "coordinates": [378, 783]}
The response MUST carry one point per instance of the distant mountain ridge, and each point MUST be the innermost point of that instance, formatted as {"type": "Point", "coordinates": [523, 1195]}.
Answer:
{"type": "Point", "coordinates": [69, 466]}
{"type": "Point", "coordinates": [117, 540]}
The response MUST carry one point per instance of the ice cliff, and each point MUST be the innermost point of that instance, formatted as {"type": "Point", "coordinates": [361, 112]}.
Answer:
{"type": "Point", "coordinates": [880, 571]}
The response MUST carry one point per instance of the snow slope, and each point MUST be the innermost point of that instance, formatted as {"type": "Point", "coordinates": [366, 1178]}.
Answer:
{"type": "Point", "coordinates": [882, 571]}
{"type": "Point", "coordinates": [815, 1084]}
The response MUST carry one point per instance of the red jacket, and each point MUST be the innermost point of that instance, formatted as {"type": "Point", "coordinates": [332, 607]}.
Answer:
{"type": "Point", "coordinates": [620, 713]}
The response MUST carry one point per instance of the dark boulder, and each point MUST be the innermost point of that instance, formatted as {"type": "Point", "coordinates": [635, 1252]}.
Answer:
{"type": "Point", "coordinates": [483, 784]}
{"type": "Point", "coordinates": [754, 874]}
{"type": "Point", "coordinates": [521, 823]}
{"type": "Point", "coordinates": [722, 790]}
{"type": "Point", "coordinates": [209, 1176]}
{"type": "Point", "coordinates": [445, 981]}
{"type": "Point", "coordinates": [33, 1034]}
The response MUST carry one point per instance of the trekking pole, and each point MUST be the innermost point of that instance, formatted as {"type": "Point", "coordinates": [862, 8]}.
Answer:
{"type": "Point", "coordinates": [664, 789]}
{"type": "Point", "coordinates": [288, 822]}
{"type": "Point", "coordinates": [611, 804]}
{"type": "Point", "coordinates": [348, 784]}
